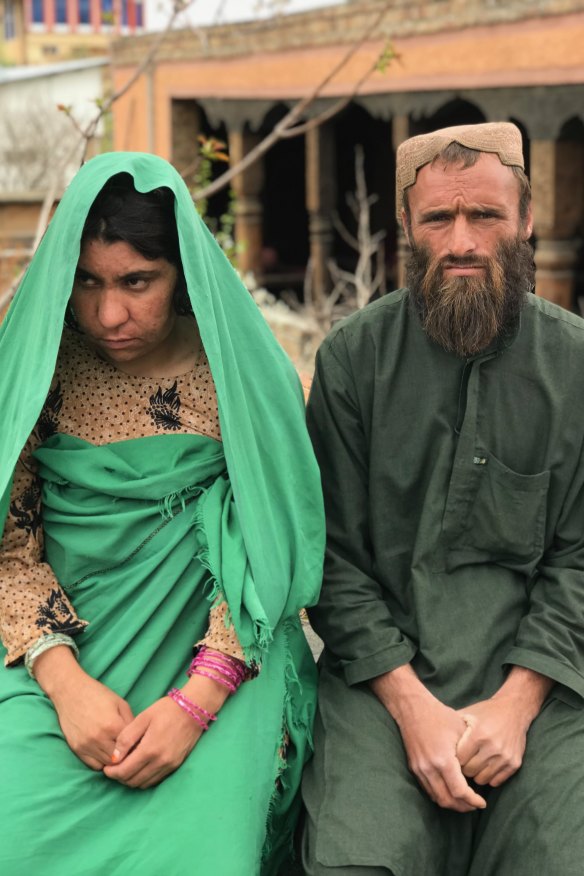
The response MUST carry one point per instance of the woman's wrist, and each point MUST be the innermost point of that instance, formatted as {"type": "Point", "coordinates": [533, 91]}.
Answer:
{"type": "Point", "coordinates": [47, 643]}
{"type": "Point", "coordinates": [55, 669]}
{"type": "Point", "coordinates": [205, 692]}
{"type": "Point", "coordinates": [222, 668]}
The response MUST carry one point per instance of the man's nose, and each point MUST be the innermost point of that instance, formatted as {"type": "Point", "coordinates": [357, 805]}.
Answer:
{"type": "Point", "coordinates": [462, 239]}
{"type": "Point", "coordinates": [112, 311]}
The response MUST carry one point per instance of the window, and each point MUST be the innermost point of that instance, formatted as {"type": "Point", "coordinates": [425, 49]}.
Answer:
{"type": "Point", "coordinates": [38, 12]}
{"type": "Point", "coordinates": [60, 11]}
{"type": "Point", "coordinates": [9, 23]}
{"type": "Point", "coordinates": [107, 12]}
{"type": "Point", "coordinates": [83, 11]}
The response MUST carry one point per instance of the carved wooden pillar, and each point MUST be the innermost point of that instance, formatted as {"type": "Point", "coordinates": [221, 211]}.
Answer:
{"type": "Point", "coordinates": [557, 181]}
{"type": "Point", "coordinates": [186, 127]}
{"type": "Point", "coordinates": [320, 203]}
{"type": "Point", "coordinates": [400, 131]}
{"type": "Point", "coordinates": [247, 187]}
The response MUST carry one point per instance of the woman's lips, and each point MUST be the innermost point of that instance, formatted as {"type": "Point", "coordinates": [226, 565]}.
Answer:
{"type": "Point", "coordinates": [116, 342]}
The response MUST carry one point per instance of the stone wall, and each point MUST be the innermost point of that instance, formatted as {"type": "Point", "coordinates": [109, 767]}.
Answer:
{"type": "Point", "coordinates": [341, 24]}
{"type": "Point", "coordinates": [18, 219]}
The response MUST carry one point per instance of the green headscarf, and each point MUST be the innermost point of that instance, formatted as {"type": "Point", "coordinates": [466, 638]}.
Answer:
{"type": "Point", "coordinates": [272, 469]}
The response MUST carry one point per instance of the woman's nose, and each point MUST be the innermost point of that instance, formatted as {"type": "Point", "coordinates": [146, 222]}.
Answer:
{"type": "Point", "coordinates": [112, 312]}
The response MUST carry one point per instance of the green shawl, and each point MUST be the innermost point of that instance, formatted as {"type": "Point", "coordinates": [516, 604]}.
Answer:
{"type": "Point", "coordinates": [270, 462]}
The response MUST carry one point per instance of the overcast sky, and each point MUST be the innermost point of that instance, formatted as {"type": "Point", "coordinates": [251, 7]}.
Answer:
{"type": "Point", "coordinates": [203, 12]}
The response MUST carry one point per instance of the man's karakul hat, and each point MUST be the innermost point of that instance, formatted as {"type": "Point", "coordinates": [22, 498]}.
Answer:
{"type": "Point", "coordinates": [502, 138]}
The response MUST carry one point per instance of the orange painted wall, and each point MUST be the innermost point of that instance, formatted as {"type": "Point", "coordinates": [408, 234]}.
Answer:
{"type": "Point", "coordinates": [131, 117]}
{"type": "Point", "coordinates": [534, 52]}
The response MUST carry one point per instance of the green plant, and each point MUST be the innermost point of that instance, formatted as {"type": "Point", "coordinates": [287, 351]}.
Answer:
{"type": "Point", "coordinates": [210, 152]}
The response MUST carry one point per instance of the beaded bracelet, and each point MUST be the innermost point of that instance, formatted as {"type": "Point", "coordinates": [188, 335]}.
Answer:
{"type": "Point", "coordinates": [198, 713]}
{"type": "Point", "coordinates": [220, 667]}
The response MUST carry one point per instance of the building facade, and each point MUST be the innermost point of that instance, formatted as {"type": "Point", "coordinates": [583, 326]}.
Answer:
{"type": "Point", "coordinates": [40, 148]}
{"type": "Point", "coordinates": [51, 31]}
{"type": "Point", "coordinates": [455, 62]}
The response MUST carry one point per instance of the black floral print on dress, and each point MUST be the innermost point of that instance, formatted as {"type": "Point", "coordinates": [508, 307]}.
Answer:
{"type": "Point", "coordinates": [55, 616]}
{"type": "Point", "coordinates": [26, 509]}
{"type": "Point", "coordinates": [48, 422]}
{"type": "Point", "coordinates": [164, 408]}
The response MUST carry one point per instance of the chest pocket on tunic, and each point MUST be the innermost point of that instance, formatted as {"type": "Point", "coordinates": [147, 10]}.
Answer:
{"type": "Point", "coordinates": [505, 521]}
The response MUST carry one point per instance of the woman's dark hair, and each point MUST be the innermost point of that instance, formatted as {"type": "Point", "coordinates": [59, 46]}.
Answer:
{"type": "Point", "coordinates": [143, 220]}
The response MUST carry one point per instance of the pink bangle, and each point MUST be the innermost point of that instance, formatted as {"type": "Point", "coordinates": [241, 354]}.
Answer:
{"type": "Point", "coordinates": [220, 656]}
{"type": "Point", "coordinates": [222, 668]}
{"type": "Point", "coordinates": [217, 678]}
{"type": "Point", "coordinates": [198, 713]}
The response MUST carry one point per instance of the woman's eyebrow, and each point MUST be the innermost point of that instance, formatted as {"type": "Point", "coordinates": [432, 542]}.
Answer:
{"type": "Point", "coordinates": [85, 272]}
{"type": "Point", "coordinates": [139, 272]}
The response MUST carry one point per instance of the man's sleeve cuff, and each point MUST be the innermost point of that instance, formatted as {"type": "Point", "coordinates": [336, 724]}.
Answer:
{"type": "Point", "coordinates": [365, 668]}
{"type": "Point", "coordinates": [555, 669]}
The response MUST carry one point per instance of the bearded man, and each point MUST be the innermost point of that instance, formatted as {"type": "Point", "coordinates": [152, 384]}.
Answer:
{"type": "Point", "coordinates": [448, 421]}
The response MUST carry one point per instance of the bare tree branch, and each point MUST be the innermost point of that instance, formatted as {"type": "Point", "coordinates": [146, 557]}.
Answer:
{"type": "Point", "coordinates": [285, 127]}
{"type": "Point", "coordinates": [344, 232]}
{"type": "Point", "coordinates": [351, 290]}
{"type": "Point", "coordinates": [86, 134]}
{"type": "Point", "coordinates": [340, 104]}
{"type": "Point", "coordinates": [220, 10]}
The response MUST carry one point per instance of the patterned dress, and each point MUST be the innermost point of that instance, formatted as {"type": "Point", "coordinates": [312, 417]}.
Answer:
{"type": "Point", "coordinates": [92, 400]}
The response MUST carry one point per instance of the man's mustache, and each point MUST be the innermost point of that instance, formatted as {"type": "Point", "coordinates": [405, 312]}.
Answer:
{"type": "Point", "coordinates": [463, 262]}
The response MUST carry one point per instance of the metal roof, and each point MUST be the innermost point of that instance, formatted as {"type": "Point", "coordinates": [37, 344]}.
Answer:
{"type": "Point", "coordinates": [42, 71]}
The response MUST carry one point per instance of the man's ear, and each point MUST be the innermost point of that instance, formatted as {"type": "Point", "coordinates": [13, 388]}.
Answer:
{"type": "Point", "coordinates": [405, 226]}
{"type": "Point", "coordinates": [527, 229]}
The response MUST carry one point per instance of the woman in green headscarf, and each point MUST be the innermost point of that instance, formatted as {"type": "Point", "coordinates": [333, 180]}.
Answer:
{"type": "Point", "coordinates": [159, 493]}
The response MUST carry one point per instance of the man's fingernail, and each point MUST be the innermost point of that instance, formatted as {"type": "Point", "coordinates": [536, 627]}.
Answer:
{"type": "Point", "coordinates": [116, 756]}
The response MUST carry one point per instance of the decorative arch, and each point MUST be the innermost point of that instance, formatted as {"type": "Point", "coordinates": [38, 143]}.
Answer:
{"type": "Point", "coordinates": [456, 111]}
{"type": "Point", "coordinates": [573, 129]}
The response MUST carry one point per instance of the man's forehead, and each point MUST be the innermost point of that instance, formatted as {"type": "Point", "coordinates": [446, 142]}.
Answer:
{"type": "Point", "coordinates": [485, 183]}
{"type": "Point", "coordinates": [502, 139]}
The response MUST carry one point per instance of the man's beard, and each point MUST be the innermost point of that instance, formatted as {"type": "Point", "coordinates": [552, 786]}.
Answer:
{"type": "Point", "coordinates": [466, 314]}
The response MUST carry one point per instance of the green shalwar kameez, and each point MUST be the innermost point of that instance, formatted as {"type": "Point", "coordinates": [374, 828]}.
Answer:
{"type": "Point", "coordinates": [142, 534]}
{"type": "Point", "coordinates": [454, 494]}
